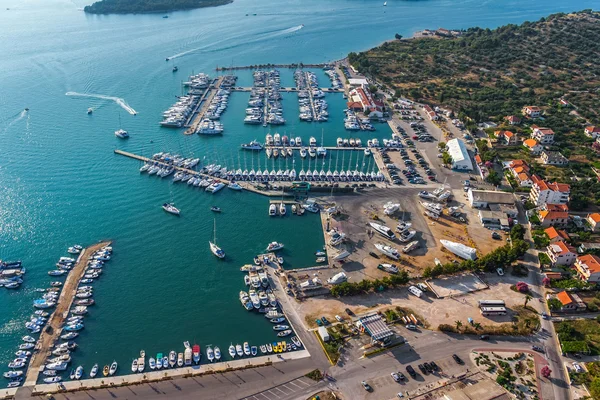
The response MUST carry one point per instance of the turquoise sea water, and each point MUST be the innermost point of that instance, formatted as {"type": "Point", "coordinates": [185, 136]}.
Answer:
{"type": "Point", "coordinates": [61, 183]}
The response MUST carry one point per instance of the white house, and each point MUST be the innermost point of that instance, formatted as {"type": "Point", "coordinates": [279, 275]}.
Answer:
{"type": "Point", "coordinates": [543, 192]}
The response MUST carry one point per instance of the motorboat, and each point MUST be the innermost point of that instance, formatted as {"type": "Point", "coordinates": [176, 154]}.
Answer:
{"type": "Point", "coordinates": [232, 351]}
{"type": "Point", "coordinates": [28, 339]}
{"type": "Point", "coordinates": [210, 354]}
{"type": "Point", "coordinates": [239, 351]}
{"type": "Point", "coordinates": [269, 348]}
{"type": "Point", "coordinates": [247, 349]}
{"type": "Point", "coordinates": [134, 365]}
{"type": "Point", "coordinates": [180, 359]}
{"type": "Point", "coordinates": [272, 210]}
{"type": "Point", "coordinates": [391, 268]}
{"type": "Point", "coordinates": [234, 186]}
{"type": "Point", "coordinates": [79, 372]}
{"type": "Point", "coordinates": [407, 235]}
{"type": "Point", "coordinates": [26, 346]}
{"type": "Point", "coordinates": [281, 327]}
{"type": "Point", "coordinates": [274, 246]}
{"type": "Point", "coordinates": [277, 320]}
{"type": "Point", "coordinates": [52, 379]}
{"type": "Point", "coordinates": [303, 152]}
{"type": "Point", "coordinates": [196, 354]}
{"type": "Point", "coordinates": [105, 371]}
{"type": "Point", "coordinates": [159, 360]}
{"type": "Point", "coordinates": [285, 333]}
{"type": "Point", "coordinates": [296, 341]}
{"type": "Point", "coordinates": [170, 208]}
{"type": "Point", "coordinates": [253, 351]}
{"type": "Point", "coordinates": [113, 368]}
{"type": "Point", "coordinates": [172, 358]}
{"type": "Point", "coordinates": [254, 298]}
{"type": "Point", "coordinates": [403, 226]}
{"type": "Point", "coordinates": [215, 209]}
{"type": "Point", "coordinates": [165, 361]}
{"type": "Point", "coordinates": [57, 272]}
{"type": "Point", "coordinates": [282, 208]}
{"type": "Point", "coordinates": [152, 363]}
{"type": "Point", "coordinates": [121, 134]}
{"type": "Point", "coordinates": [389, 251]}
{"type": "Point", "coordinates": [383, 230]}
{"type": "Point", "coordinates": [253, 145]}
{"type": "Point", "coordinates": [187, 354]}
{"type": "Point", "coordinates": [217, 353]}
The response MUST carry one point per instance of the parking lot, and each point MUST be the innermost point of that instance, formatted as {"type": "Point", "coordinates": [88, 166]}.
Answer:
{"type": "Point", "coordinates": [456, 285]}
{"type": "Point", "coordinates": [284, 391]}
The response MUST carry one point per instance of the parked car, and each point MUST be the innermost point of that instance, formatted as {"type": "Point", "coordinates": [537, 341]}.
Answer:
{"type": "Point", "coordinates": [422, 369]}
{"type": "Point", "coordinates": [537, 348]}
{"type": "Point", "coordinates": [325, 321]}
{"type": "Point", "coordinates": [434, 366]}
{"type": "Point", "coordinates": [339, 319]}
{"type": "Point", "coordinates": [577, 367]}
{"type": "Point", "coordinates": [484, 337]}
{"type": "Point", "coordinates": [349, 312]}
{"type": "Point", "coordinates": [319, 322]}
{"type": "Point", "coordinates": [411, 371]}
{"type": "Point", "coordinates": [457, 359]}
{"type": "Point", "coordinates": [366, 386]}
{"type": "Point", "coordinates": [412, 327]}
{"type": "Point", "coordinates": [395, 376]}
{"type": "Point", "coordinates": [428, 368]}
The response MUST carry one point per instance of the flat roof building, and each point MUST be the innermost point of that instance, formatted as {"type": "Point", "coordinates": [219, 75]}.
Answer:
{"type": "Point", "coordinates": [460, 155]}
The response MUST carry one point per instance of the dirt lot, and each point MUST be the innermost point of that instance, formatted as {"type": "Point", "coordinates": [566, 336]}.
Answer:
{"type": "Point", "coordinates": [358, 211]}
{"type": "Point", "coordinates": [434, 311]}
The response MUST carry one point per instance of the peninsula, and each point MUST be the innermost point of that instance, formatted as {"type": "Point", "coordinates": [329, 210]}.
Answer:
{"type": "Point", "coordinates": [149, 6]}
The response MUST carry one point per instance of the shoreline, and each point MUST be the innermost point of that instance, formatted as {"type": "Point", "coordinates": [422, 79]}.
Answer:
{"type": "Point", "coordinates": [221, 3]}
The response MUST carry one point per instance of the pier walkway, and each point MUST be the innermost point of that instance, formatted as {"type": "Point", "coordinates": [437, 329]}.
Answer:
{"type": "Point", "coordinates": [271, 66]}
{"type": "Point", "coordinates": [202, 106]}
{"type": "Point", "coordinates": [285, 89]}
{"type": "Point", "coordinates": [249, 186]}
{"type": "Point", "coordinates": [325, 147]}
{"type": "Point", "coordinates": [53, 328]}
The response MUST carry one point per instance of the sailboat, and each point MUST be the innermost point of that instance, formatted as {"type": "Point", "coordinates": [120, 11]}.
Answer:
{"type": "Point", "coordinates": [216, 250]}
{"type": "Point", "coordinates": [121, 133]}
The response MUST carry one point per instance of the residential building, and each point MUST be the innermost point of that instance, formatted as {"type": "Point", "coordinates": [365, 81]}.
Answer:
{"type": "Point", "coordinates": [594, 221]}
{"type": "Point", "coordinates": [533, 146]}
{"type": "Point", "coordinates": [543, 135]}
{"type": "Point", "coordinates": [520, 171]}
{"type": "Point", "coordinates": [371, 107]}
{"type": "Point", "coordinates": [592, 131]}
{"type": "Point", "coordinates": [506, 138]}
{"type": "Point", "coordinates": [543, 192]}
{"type": "Point", "coordinates": [564, 103]}
{"type": "Point", "coordinates": [570, 302]}
{"type": "Point", "coordinates": [561, 253]}
{"type": "Point", "coordinates": [553, 158]}
{"type": "Point", "coordinates": [513, 120]}
{"type": "Point", "coordinates": [531, 111]}
{"type": "Point", "coordinates": [358, 82]}
{"type": "Point", "coordinates": [554, 215]}
{"type": "Point", "coordinates": [460, 155]}
{"type": "Point", "coordinates": [556, 235]}
{"type": "Point", "coordinates": [588, 268]}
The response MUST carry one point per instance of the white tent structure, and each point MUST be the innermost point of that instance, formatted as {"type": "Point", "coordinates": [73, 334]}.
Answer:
{"type": "Point", "coordinates": [460, 155]}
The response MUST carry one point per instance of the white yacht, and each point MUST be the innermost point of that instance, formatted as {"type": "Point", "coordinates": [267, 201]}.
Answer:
{"type": "Point", "coordinates": [253, 145]}
{"type": "Point", "coordinates": [303, 152]}
{"type": "Point", "coordinates": [298, 141]}
{"type": "Point", "coordinates": [388, 251]}
{"type": "Point", "coordinates": [313, 141]}
{"type": "Point", "coordinates": [273, 246]}
{"type": "Point", "coordinates": [282, 208]}
{"type": "Point", "coordinates": [311, 152]}
{"type": "Point", "coordinates": [407, 235]}
{"type": "Point", "coordinates": [272, 210]}
{"type": "Point", "coordinates": [121, 134]}
{"type": "Point", "coordinates": [383, 230]}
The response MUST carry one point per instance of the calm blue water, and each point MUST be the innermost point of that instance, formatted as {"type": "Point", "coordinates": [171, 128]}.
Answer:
{"type": "Point", "coordinates": [62, 184]}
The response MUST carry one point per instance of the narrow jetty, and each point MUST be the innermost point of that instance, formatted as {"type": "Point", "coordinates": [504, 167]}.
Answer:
{"type": "Point", "coordinates": [203, 104]}
{"type": "Point", "coordinates": [268, 66]}
{"type": "Point", "coordinates": [325, 147]}
{"type": "Point", "coordinates": [53, 328]}
{"type": "Point", "coordinates": [285, 89]}
{"type": "Point", "coordinates": [245, 185]}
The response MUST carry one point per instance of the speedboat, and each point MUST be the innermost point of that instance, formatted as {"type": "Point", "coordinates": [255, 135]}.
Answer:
{"type": "Point", "coordinates": [282, 208]}
{"type": "Point", "coordinates": [165, 361]}
{"type": "Point", "coordinates": [210, 354]}
{"type": "Point", "coordinates": [281, 327]}
{"type": "Point", "coordinates": [170, 208]}
{"type": "Point", "coordinates": [253, 351]}
{"type": "Point", "coordinates": [28, 339]}
{"type": "Point", "coordinates": [122, 134]}
{"type": "Point", "coordinates": [52, 379]}
{"type": "Point", "coordinates": [296, 341]}
{"type": "Point", "coordinates": [234, 186]}
{"type": "Point", "coordinates": [172, 358]}
{"type": "Point", "coordinates": [285, 333]}
{"type": "Point", "coordinates": [303, 152]}
{"type": "Point", "coordinates": [247, 349]}
{"type": "Point", "coordinates": [13, 374]}
{"type": "Point", "coordinates": [269, 348]}
{"type": "Point", "coordinates": [134, 365]}
{"type": "Point", "coordinates": [272, 210]}
{"type": "Point", "coordinates": [231, 350]}
{"type": "Point", "coordinates": [180, 359]}
{"type": "Point", "coordinates": [105, 371]}
{"type": "Point", "coordinates": [217, 353]}
{"type": "Point", "coordinates": [152, 363]}
{"type": "Point", "coordinates": [79, 372]}
{"type": "Point", "coordinates": [113, 368]}
{"type": "Point", "coordinates": [407, 235]}
{"type": "Point", "coordinates": [274, 246]}
{"type": "Point", "coordinates": [277, 320]}
{"type": "Point", "coordinates": [159, 360]}
{"type": "Point", "coordinates": [196, 354]}
{"type": "Point", "coordinates": [239, 350]}
{"type": "Point", "coordinates": [215, 209]}
{"type": "Point", "coordinates": [402, 226]}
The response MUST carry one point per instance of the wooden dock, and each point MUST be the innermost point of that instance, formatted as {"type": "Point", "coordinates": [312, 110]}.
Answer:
{"type": "Point", "coordinates": [203, 105]}
{"type": "Point", "coordinates": [53, 328]}
{"type": "Point", "coordinates": [306, 147]}
{"type": "Point", "coordinates": [271, 66]}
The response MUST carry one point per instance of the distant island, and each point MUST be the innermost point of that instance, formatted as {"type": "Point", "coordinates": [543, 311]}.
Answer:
{"type": "Point", "coordinates": [149, 6]}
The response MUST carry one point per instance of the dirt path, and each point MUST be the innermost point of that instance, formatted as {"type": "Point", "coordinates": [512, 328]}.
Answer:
{"type": "Point", "coordinates": [48, 336]}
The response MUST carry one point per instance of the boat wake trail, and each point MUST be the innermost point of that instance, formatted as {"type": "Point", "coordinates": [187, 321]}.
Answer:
{"type": "Point", "coordinates": [259, 37]}
{"type": "Point", "coordinates": [17, 118]}
{"type": "Point", "coordinates": [117, 100]}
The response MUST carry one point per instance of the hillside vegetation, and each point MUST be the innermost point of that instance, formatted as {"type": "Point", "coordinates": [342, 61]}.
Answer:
{"type": "Point", "coordinates": [492, 73]}
{"type": "Point", "coordinates": [148, 6]}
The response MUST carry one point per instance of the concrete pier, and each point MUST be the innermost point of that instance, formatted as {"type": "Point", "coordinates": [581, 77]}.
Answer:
{"type": "Point", "coordinates": [203, 105]}
{"type": "Point", "coordinates": [53, 328]}
{"type": "Point", "coordinates": [284, 89]}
